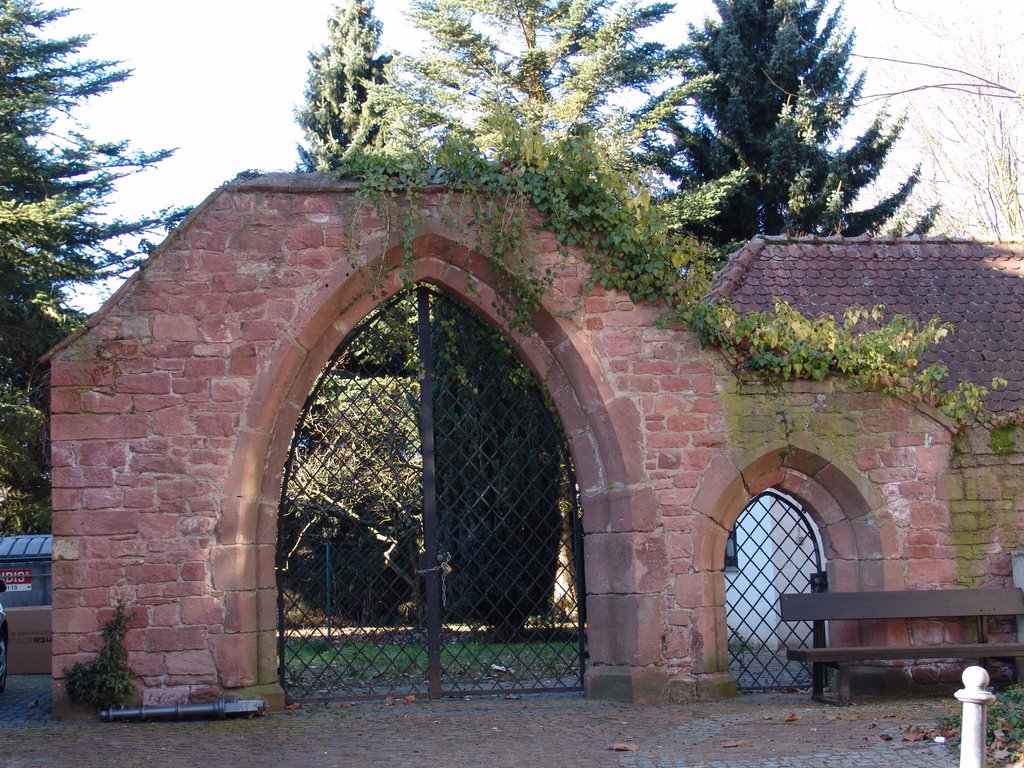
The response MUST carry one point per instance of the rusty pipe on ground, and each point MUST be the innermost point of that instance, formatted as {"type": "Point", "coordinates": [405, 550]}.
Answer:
{"type": "Point", "coordinates": [218, 709]}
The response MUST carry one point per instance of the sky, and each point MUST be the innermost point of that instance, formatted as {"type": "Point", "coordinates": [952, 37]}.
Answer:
{"type": "Point", "coordinates": [219, 80]}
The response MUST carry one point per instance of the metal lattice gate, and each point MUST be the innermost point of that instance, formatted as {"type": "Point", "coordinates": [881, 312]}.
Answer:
{"type": "Point", "coordinates": [430, 539]}
{"type": "Point", "coordinates": [774, 549]}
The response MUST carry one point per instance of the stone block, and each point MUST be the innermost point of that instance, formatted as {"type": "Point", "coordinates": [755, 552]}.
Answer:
{"type": "Point", "coordinates": [847, 494]}
{"type": "Point", "coordinates": [626, 563]}
{"type": "Point", "coordinates": [240, 612]}
{"type": "Point", "coordinates": [203, 611]}
{"type": "Point", "coordinates": [238, 520]}
{"type": "Point", "coordinates": [71, 427]}
{"type": "Point", "coordinates": [635, 685]}
{"type": "Point", "coordinates": [165, 696]}
{"type": "Point", "coordinates": [236, 658]}
{"type": "Point", "coordinates": [233, 568]}
{"type": "Point", "coordinates": [721, 489]}
{"type": "Point", "coordinates": [190, 664]}
{"type": "Point", "coordinates": [636, 509]}
{"type": "Point", "coordinates": [174, 639]}
{"type": "Point", "coordinates": [111, 522]}
{"type": "Point", "coordinates": [626, 629]}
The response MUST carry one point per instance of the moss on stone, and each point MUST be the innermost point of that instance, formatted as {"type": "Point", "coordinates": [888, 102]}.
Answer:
{"type": "Point", "coordinates": [1002, 440]}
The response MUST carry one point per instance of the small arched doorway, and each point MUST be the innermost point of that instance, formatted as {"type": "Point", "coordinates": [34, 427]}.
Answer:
{"type": "Point", "coordinates": [429, 537]}
{"type": "Point", "coordinates": [774, 548]}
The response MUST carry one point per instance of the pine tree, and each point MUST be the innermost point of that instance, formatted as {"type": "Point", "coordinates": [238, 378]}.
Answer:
{"type": "Point", "coordinates": [54, 183]}
{"type": "Point", "coordinates": [549, 65]}
{"type": "Point", "coordinates": [754, 130]}
{"type": "Point", "coordinates": [340, 110]}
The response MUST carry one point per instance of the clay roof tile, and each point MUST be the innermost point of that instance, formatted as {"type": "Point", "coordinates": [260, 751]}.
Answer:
{"type": "Point", "coordinates": [976, 286]}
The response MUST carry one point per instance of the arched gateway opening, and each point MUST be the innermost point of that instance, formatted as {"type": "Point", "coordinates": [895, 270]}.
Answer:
{"type": "Point", "coordinates": [774, 548]}
{"type": "Point", "coordinates": [430, 535]}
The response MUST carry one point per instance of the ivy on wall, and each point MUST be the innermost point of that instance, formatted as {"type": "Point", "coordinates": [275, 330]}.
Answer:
{"type": "Point", "coordinates": [587, 201]}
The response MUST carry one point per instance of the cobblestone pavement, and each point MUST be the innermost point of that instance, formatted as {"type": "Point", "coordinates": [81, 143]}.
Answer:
{"type": "Point", "coordinates": [762, 730]}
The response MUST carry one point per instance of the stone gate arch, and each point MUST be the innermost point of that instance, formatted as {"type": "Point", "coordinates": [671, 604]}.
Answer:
{"type": "Point", "coordinates": [245, 560]}
{"type": "Point", "coordinates": [851, 517]}
{"type": "Point", "coordinates": [174, 410]}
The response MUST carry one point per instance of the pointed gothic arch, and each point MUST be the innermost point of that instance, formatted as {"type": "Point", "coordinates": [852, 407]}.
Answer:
{"type": "Point", "coordinates": [595, 420]}
{"type": "Point", "coordinates": [851, 518]}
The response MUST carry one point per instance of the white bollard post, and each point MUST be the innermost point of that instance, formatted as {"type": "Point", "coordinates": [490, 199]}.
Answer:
{"type": "Point", "coordinates": [972, 725]}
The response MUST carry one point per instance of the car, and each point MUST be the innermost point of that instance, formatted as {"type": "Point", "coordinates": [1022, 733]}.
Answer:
{"type": "Point", "coordinates": [3, 641]}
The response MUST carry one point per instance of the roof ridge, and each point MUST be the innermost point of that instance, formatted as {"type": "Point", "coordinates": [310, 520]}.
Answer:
{"type": "Point", "coordinates": [885, 239]}
{"type": "Point", "coordinates": [731, 275]}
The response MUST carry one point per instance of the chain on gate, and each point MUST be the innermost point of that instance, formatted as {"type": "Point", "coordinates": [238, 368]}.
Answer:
{"type": "Point", "coordinates": [774, 549]}
{"type": "Point", "coordinates": [444, 565]}
{"type": "Point", "coordinates": [442, 569]}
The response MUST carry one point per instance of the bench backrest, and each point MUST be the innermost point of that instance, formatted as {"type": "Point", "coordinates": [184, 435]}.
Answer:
{"type": "Point", "coordinates": [919, 604]}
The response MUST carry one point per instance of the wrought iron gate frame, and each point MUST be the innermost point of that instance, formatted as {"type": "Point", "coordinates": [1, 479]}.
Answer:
{"type": "Point", "coordinates": [431, 563]}
{"type": "Point", "coordinates": [817, 582]}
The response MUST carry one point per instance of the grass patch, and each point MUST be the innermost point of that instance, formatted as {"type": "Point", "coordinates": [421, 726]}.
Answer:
{"type": "Point", "coordinates": [389, 660]}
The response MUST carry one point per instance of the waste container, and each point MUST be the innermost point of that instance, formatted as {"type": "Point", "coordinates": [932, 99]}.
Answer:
{"type": "Point", "coordinates": [26, 563]}
{"type": "Point", "coordinates": [25, 566]}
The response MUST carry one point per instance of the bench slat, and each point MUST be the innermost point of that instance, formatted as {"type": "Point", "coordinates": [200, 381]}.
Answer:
{"type": "Point", "coordinates": [878, 653]}
{"type": "Point", "coordinates": [912, 604]}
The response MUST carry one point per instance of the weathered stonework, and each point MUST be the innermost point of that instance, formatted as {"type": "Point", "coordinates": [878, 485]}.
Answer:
{"type": "Point", "coordinates": [172, 415]}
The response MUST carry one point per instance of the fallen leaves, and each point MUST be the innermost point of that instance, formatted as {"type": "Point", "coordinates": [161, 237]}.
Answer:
{"type": "Point", "coordinates": [914, 733]}
{"type": "Point", "coordinates": [1000, 754]}
{"type": "Point", "coordinates": [792, 717]}
{"type": "Point", "coordinates": [1003, 747]}
{"type": "Point", "coordinates": [390, 701]}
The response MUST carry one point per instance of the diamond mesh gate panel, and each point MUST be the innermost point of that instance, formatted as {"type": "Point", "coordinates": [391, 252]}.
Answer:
{"type": "Point", "coordinates": [350, 522]}
{"type": "Point", "coordinates": [506, 516]}
{"type": "Point", "coordinates": [777, 551]}
{"type": "Point", "coordinates": [355, 618]}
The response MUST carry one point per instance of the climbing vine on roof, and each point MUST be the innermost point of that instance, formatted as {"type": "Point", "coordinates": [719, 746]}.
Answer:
{"type": "Point", "coordinates": [608, 212]}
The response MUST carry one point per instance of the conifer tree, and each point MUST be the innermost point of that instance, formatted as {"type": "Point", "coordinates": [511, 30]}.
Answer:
{"type": "Point", "coordinates": [548, 65]}
{"type": "Point", "coordinates": [54, 184]}
{"type": "Point", "coordinates": [751, 138]}
{"type": "Point", "coordinates": [340, 110]}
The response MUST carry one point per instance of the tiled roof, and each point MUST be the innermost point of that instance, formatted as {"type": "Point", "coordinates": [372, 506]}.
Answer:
{"type": "Point", "coordinates": [976, 286]}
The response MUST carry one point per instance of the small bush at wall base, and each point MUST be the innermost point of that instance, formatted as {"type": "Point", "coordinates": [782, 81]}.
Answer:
{"type": "Point", "coordinates": [107, 680]}
{"type": "Point", "coordinates": [1005, 727]}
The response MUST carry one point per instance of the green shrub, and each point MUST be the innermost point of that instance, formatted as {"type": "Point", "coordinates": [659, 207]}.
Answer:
{"type": "Point", "coordinates": [1005, 724]}
{"type": "Point", "coordinates": [106, 680]}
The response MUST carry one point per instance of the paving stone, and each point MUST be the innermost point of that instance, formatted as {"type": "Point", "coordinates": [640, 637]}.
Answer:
{"type": "Point", "coordinates": [764, 730]}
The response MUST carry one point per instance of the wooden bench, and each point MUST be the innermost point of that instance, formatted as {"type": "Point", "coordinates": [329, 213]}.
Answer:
{"type": "Point", "coordinates": [925, 604]}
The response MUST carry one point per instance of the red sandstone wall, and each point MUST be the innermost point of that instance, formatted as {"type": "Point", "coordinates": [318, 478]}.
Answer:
{"type": "Point", "coordinates": [172, 415]}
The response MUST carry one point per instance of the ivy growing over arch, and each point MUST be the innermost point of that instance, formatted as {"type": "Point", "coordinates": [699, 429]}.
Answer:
{"type": "Point", "coordinates": [605, 213]}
